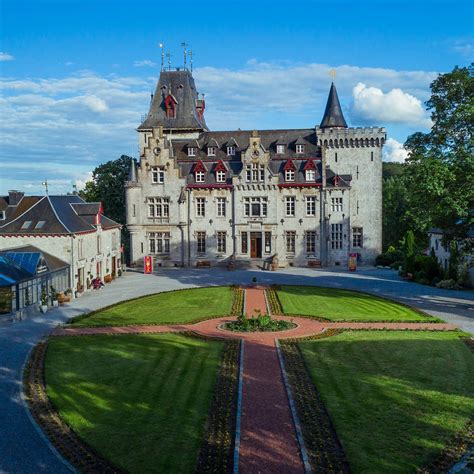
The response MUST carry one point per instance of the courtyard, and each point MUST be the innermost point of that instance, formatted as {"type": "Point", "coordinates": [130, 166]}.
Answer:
{"type": "Point", "coordinates": [112, 392]}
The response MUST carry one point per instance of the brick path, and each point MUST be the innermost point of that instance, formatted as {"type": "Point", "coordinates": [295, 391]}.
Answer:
{"type": "Point", "coordinates": [268, 439]}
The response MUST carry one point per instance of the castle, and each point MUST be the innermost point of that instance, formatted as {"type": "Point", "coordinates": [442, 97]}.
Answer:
{"type": "Point", "coordinates": [303, 197]}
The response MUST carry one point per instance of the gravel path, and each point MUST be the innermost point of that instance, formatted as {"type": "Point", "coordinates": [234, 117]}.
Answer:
{"type": "Point", "coordinates": [24, 450]}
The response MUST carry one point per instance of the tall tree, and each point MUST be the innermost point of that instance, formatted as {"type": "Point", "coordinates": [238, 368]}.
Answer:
{"type": "Point", "coordinates": [440, 166]}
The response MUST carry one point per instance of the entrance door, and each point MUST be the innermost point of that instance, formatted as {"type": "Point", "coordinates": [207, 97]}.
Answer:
{"type": "Point", "coordinates": [255, 245]}
{"type": "Point", "coordinates": [114, 266]}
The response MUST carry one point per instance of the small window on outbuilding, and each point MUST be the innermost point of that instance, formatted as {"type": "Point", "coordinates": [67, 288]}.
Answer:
{"type": "Point", "coordinates": [40, 224]}
{"type": "Point", "coordinates": [26, 225]}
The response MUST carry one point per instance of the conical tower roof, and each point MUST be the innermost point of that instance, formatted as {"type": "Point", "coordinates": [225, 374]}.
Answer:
{"type": "Point", "coordinates": [132, 172]}
{"type": "Point", "coordinates": [333, 116]}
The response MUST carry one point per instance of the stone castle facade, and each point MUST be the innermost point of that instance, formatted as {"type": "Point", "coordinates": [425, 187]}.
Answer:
{"type": "Point", "coordinates": [292, 197]}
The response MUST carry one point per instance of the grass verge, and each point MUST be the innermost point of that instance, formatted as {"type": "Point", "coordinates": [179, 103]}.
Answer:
{"type": "Point", "coordinates": [396, 398]}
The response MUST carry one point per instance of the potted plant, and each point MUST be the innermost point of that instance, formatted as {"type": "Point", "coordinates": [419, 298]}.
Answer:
{"type": "Point", "coordinates": [54, 296]}
{"type": "Point", "coordinates": [44, 300]}
{"type": "Point", "coordinates": [108, 278]}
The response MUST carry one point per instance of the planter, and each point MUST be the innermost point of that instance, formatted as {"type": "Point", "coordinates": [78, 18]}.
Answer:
{"type": "Point", "coordinates": [44, 308]}
{"type": "Point", "coordinates": [55, 303]}
{"type": "Point", "coordinates": [62, 298]}
{"type": "Point", "coordinates": [107, 278]}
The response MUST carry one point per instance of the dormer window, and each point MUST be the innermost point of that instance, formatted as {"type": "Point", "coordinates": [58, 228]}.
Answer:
{"type": "Point", "coordinates": [26, 225]}
{"type": "Point", "coordinates": [281, 149]}
{"type": "Point", "coordinates": [2, 215]}
{"type": "Point", "coordinates": [211, 151]}
{"type": "Point", "coordinates": [310, 175]}
{"type": "Point", "coordinates": [40, 224]}
{"type": "Point", "coordinates": [191, 151]}
{"type": "Point", "coordinates": [231, 151]}
{"type": "Point", "coordinates": [170, 106]}
{"type": "Point", "coordinates": [199, 176]}
{"type": "Point", "coordinates": [289, 175]}
{"type": "Point", "coordinates": [220, 176]}
{"type": "Point", "coordinates": [299, 149]}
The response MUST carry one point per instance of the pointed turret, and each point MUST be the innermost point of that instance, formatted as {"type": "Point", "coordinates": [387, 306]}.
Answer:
{"type": "Point", "coordinates": [333, 116]}
{"type": "Point", "coordinates": [175, 105]}
{"type": "Point", "coordinates": [132, 172]}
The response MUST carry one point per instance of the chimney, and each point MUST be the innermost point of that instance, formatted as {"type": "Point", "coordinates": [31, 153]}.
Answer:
{"type": "Point", "coordinates": [14, 197]}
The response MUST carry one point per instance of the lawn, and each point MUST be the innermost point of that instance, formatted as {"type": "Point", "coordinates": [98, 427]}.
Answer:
{"type": "Point", "coordinates": [140, 401]}
{"type": "Point", "coordinates": [344, 305]}
{"type": "Point", "coordinates": [395, 397]}
{"type": "Point", "coordinates": [171, 307]}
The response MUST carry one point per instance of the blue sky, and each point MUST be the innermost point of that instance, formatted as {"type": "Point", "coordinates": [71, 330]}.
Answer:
{"type": "Point", "coordinates": [76, 75]}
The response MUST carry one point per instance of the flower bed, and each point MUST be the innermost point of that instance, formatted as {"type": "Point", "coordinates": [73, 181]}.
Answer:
{"type": "Point", "coordinates": [325, 451]}
{"type": "Point", "coordinates": [273, 300]}
{"type": "Point", "coordinates": [260, 323]}
{"type": "Point", "coordinates": [238, 301]}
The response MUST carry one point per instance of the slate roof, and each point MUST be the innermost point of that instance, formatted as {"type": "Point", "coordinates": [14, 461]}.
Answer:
{"type": "Point", "coordinates": [53, 215]}
{"type": "Point", "coordinates": [23, 252]}
{"type": "Point", "coordinates": [333, 116]}
{"type": "Point", "coordinates": [180, 84]}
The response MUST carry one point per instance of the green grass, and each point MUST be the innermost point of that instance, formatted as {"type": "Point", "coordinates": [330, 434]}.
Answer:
{"type": "Point", "coordinates": [395, 397]}
{"type": "Point", "coordinates": [171, 307]}
{"type": "Point", "coordinates": [140, 401]}
{"type": "Point", "coordinates": [344, 305]}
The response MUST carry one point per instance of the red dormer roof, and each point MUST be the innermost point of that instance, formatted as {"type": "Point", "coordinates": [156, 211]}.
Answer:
{"type": "Point", "coordinates": [309, 165]}
{"type": "Point", "coordinates": [289, 165]}
{"type": "Point", "coordinates": [220, 166]}
{"type": "Point", "coordinates": [170, 101]}
{"type": "Point", "coordinates": [337, 180]}
{"type": "Point", "coordinates": [199, 166]}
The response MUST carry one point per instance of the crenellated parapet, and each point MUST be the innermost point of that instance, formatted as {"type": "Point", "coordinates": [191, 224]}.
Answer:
{"type": "Point", "coordinates": [357, 137]}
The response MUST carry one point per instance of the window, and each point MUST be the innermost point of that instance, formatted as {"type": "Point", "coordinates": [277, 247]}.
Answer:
{"type": "Point", "coordinates": [231, 151]}
{"type": "Point", "coordinates": [191, 151]}
{"type": "Point", "coordinates": [134, 211]}
{"type": "Point", "coordinates": [289, 175]}
{"type": "Point", "coordinates": [80, 249]}
{"type": "Point", "coordinates": [310, 206]}
{"type": "Point", "coordinates": [200, 207]}
{"type": "Point", "coordinates": [220, 176]}
{"type": "Point", "coordinates": [336, 204]}
{"type": "Point", "coordinates": [290, 204]}
{"type": "Point", "coordinates": [335, 157]}
{"type": "Point", "coordinates": [437, 244]}
{"type": "Point", "coordinates": [159, 242]}
{"type": "Point", "coordinates": [290, 237]}
{"type": "Point", "coordinates": [157, 175]}
{"type": "Point", "coordinates": [310, 175]}
{"type": "Point", "coordinates": [170, 111]}
{"type": "Point", "coordinates": [371, 156]}
{"type": "Point", "coordinates": [26, 225]}
{"type": "Point", "coordinates": [310, 241]}
{"type": "Point", "coordinates": [199, 175]}
{"type": "Point", "coordinates": [40, 224]}
{"type": "Point", "coordinates": [244, 242]}
{"type": "Point", "coordinates": [221, 241]}
{"type": "Point", "coordinates": [220, 207]}
{"type": "Point", "coordinates": [255, 173]}
{"type": "Point", "coordinates": [299, 148]}
{"type": "Point", "coordinates": [268, 242]}
{"type": "Point", "coordinates": [201, 242]}
{"type": "Point", "coordinates": [99, 244]}
{"type": "Point", "coordinates": [336, 236]}
{"type": "Point", "coordinates": [357, 237]}
{"type": "Point", "coordinates": [280, 149]}
{"type": "Point", "coordinates": [159, 208]}
{"type": "Point", "coordinates": [255, 207]}
{"type": "Point", "coordinates": [211, 151]}
{"type": "Point", "coordinates": [2, 215]}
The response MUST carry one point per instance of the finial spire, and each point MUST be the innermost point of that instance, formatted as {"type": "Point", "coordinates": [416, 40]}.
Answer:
{"type": "Point", "coordinates": [162, 56]}
{"type": "Point", "coordinates": [45, 184]}
{"type": "Point", "coordinates": [168, 56]}
{"type": "Point", "coordinates": [184, 45]}
{"type": "Point", "coordinates": [333, 73]}
{"type": "Point", "coordinates": [333, 116]}
{"type": "Point", "coordinates": [191, 59]}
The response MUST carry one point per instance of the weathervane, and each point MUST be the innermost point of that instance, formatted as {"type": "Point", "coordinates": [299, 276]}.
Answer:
{"type": "Point", "coordinates": [45, 184]}
{"type": "Point", "coordinates": [162, 56]}
{"type": "Point", "coordinates": [332, 73]}
{"type": "Point", "coordinates": [191, 59]}
{"type": "Point", "coordinates": [168, 56]}
{"type": "Point", "coordinates": [183, 45]}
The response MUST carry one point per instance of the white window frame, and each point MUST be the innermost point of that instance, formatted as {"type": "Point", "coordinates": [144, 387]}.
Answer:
{"type": "Point", "coordinates": [281, 149]}
{"type": "Point", "coordinates": [191, 151]}
{"type": "Point", "coordinates": [231, 151]}
{"type": "Point", "coordinates": [336, 204]}
{"type": "Point", "coordinates": [221, 206]}
{"type": "Point", "coordinates": [157, 175]}
{"type": "Point", "coordinates": [357, 237]}
{"type": "Point", "coordinates": [290, 206]}
{"type": "Point", "coordinates": [299, 149]}
{"type": "Point", "coordinates": [211, 150]}
{"type": "Point", "coordinates": [201, 242]}
{"type": "Point", "coordinates": [289, 175]}
{"type": "Point", "coordinates": [310, 175]}
{"type": "Point", "coordinates": [250, 205]}
{"type": "Point", "coordinates": [255, 173]}
{"type": "Point", "coordinates": [336, 236]}
{"type": "Point", "coordinates": [311, 241]}
{"type": "Point", "coordinates": [159, 242]}
{"type": "Point", "coordinates": [158, 208]}
{"type": "Point", "coordinates": [290, 242]}
{"type": "Point", "coordinates": [221, 237]}
{"type": "Point", "coordinates": [220, 176]}
{"type": "Point", "coordinates": [310, 206]}
{"type": "Point", "coordinates": [3, 215]}
{"type": "Point", "coordinates": [200, 207]}
{"type": "Point", "coordinates": [199, 176]}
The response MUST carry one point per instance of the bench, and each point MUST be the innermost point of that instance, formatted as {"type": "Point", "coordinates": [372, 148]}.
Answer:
{"type": "Point", "coordinates": [203, 264]}
{"type": "Point", "coordinates": [314, 263]}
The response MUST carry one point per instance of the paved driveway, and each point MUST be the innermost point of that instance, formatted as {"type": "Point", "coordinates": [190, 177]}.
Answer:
{"type": "Point", "coordinates": [24, 450]}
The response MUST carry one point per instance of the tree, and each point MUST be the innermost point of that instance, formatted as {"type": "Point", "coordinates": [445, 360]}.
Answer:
{"type": "Point", "coordinates": [440, 166]}
{"type": "Point", "coordinates": [107, 186]}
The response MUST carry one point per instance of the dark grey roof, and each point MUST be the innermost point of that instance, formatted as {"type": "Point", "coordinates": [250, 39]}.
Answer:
{"type": "Point", "coordinates": [333, 116]}
{"type": "Point", "coordinates": [180, 84]}
{"type": "Point", "coordinates": [132, 172]}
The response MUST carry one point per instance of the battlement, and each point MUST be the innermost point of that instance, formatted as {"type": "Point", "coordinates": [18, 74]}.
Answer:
{"type": "Point", "coordinates": [351, 137]}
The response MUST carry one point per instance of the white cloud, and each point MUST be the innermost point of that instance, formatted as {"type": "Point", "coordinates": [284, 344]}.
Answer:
{"type": "Point", "coordinates": [81, 182]}
{"type": "Point", "coordinates": [144, 62]}
{"type": "Point", "coordinates": [94, 103]}
{"type": "Point", "coordinates": [393, 151]}
{"type": "Point", "coordinates": [6, 57]}
{"type": "Point", "coordinates": [395, 106]}
{"type": "Point", "coordinates": [464, 46]}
